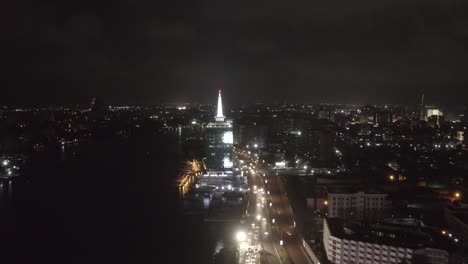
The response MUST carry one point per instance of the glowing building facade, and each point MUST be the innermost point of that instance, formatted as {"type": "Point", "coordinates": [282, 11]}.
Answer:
{"type": "Point", "coordinates": [219, 141]}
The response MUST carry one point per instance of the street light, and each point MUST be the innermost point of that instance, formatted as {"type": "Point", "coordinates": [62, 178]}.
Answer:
{"type": "Point", "coordinates": [241, 236]}
{"type": "Point", "coordinates": [259, 217]}
{"type": "Point", "coordinates": [281, 242]}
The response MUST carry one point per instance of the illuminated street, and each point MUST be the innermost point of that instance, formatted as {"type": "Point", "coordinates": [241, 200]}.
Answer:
{"type": "Point", "coordinates": [272, 218]}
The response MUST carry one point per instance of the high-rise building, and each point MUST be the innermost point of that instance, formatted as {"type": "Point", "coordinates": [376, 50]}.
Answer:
{"type": "Point", "coordinates": [422, 110]}
{"type": "Point", "coordinates": [379, 243]}
{"type": "Point", "coordinates": [218, 141]}
{"type": "Point", "coordinates": [357, 205]}
{"type": "Point", "coordinates": [383, 118]}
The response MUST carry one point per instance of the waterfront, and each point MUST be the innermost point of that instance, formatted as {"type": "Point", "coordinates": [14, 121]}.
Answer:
{"type": "Point", "coordinates": [105, 201]}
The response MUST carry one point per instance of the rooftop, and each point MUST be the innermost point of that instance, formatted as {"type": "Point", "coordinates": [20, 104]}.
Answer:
{"type": "Point", "coordinates": [382, 234]}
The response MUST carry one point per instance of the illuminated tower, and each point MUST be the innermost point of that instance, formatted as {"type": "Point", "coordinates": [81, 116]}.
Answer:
{"type": "Point", "coordinates": [219, 141]}
{"type": "Point", "coordinates": [219, 113]}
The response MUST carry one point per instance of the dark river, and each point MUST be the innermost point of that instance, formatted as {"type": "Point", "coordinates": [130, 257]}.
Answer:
{"type": "Point", "coordinates": [104, 201]}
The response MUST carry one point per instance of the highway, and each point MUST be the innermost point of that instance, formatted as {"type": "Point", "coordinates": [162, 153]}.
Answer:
{"type": "Point", "coordinates": [258, 225]}
{"type": "Point", "coordinates": [284, 219]}
{"type": "Point", "coordinates": [274, 218]}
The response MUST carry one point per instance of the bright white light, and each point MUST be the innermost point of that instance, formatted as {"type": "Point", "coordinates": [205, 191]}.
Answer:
{"type": "Point", "coordinates": [271, 204]}
{"type": "Point", "coordinates": [196, 185]}
{"type": "Point", "coordinates": [5, 162]}
{"type": "Point", "coordinates": [281, 242]}
{"type": "Point", "coordinates": [255, 145]}
{"type": "Point", "coordinates": [273, 221]}
{"type": "Point", "coordinates": [228, 137]}
{"type": "Point", "coordinates": [280, 164]}
{"type": "Point", "coordinates": [227, 163]}
{"type": "Point", "coordinates": [241, 236]}
{"type": "Point", "coordinates": [456, 239]}
{"type": "Point", "coordinates": [305, 167]}
{"type": "Point", "coordinates": [259, 217]}
{"type": "Point", "coordinates": [266, 181]}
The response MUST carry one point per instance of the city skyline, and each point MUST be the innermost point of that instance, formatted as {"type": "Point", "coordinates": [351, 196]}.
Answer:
{"type": "Point", "coordinates": [234, 132]}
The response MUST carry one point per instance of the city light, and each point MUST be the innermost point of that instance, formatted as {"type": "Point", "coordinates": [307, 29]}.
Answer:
{"type": "Point", "coordinates": [259, 217]}
{"type": "Point", "coordinates": [391, 177]}
{"type": "Point", "coordinates": [241, 236]}
{"type": "Point", "coordinates": [228, 137]}
{"type": "Point", "coordinates": [325, 202]}
{"type": "Point", "coordinates": [281, 242]}
{"type": "Point", "coordinates": [457, 195]}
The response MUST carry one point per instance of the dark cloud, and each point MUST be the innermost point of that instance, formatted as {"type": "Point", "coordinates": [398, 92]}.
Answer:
{"type": "Point", "coordinates": [306, 51]}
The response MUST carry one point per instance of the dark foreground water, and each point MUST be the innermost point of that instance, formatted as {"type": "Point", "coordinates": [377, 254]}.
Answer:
{"type": "Point", "coordinates": [105, 201]}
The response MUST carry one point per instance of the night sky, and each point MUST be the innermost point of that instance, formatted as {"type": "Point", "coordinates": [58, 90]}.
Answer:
{"type": "Point", "coordinates": [307, 51]}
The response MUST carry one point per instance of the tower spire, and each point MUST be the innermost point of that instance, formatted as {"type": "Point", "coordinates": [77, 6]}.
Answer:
{"type": "Point", "coordinates": [219, 113]}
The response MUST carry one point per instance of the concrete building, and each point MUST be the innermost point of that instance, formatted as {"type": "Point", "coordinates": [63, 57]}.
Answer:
{"type": "Point", "coordinates": [375, 244]}
{"type": "Point", "coordinates": [357, 205]}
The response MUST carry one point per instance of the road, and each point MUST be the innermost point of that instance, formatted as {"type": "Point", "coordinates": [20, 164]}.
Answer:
{"type": "Point", "coordinates": [278, 216]}
{"type": "Point", "coordinates": [284, 219]}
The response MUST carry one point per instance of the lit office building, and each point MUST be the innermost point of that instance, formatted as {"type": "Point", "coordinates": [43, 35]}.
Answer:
{"type": "Point", "coordinates": [219, 141]}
